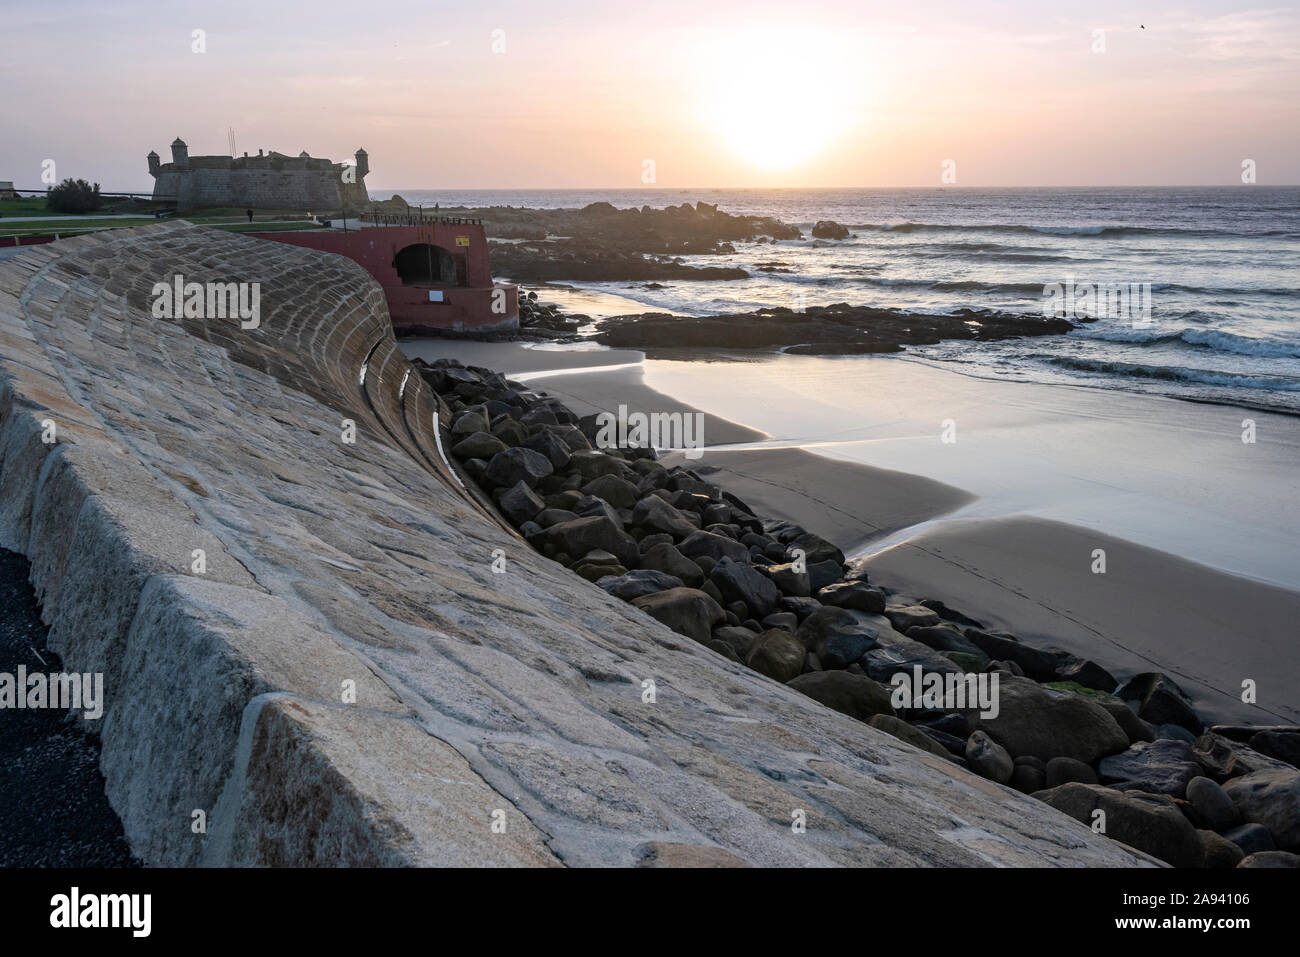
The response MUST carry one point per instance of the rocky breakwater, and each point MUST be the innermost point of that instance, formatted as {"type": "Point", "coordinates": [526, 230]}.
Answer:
{"type": "Point", "coordinates": [782, 602]}
{"type": "Point", "coordinates": [838, 329]}
{"type": "Point", "coordinates": [319, 648]}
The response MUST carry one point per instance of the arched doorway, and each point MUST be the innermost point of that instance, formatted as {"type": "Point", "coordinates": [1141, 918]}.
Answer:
{"type": "Point", "coordinates": [423, 264]}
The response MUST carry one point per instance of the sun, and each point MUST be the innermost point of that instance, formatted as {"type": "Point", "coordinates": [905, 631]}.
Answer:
{"type": "Point", "coordinates": [776, 98]}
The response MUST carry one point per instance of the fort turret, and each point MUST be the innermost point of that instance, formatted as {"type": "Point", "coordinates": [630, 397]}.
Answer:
{"type": "Point", "coordinates": [363, 163]}
{"type": "Point", "coordinates": [153, 163]}
{"type": "Point", "coordinates": [180, 152]}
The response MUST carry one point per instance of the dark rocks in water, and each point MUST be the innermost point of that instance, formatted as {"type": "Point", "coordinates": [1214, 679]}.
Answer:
{"type": "Point", "coordinates": [1159, 700]}
{"type": "Point", "coordinates": [829, 229]}
{"type": "Point", "coordinates": [1037, 721]}
{"type": "Point", "coordinates": [777, 654]}
{"type": "Point", "coordinates": [639, 582]}
{"type": "Point", "coordinates": [988, 758]}
{"type": "Point", "coordinates": [517, 465]}
{"type": "Point", "coordinates": [838, 329]}
{"type": "Point", "coordinates": [686, 611]}
{"type": "Point", "coordinates": [1149, 822]}
{"type": "Point", "coordinates": [1211, 805]}
{"type": "Point", "coordinates": [1157, 767]}
{"type": "Point", "coordinates": [858, 596]}
{"type": "Point", "coordinates": [850, 694]}
{"type": "Point", "coordinates": [1271, 798]}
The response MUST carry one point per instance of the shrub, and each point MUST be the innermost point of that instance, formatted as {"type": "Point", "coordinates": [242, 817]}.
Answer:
{"type": "Point", "coordinates": [75, 196]}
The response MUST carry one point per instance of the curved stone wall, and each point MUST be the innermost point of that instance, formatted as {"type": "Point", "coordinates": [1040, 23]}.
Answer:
{"type": "Point", "coordinates": [344, 679]}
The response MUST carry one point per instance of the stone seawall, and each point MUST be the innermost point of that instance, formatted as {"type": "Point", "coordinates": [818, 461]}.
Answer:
{"type": "Point", "coordinates": [345, 679]}
{"type": "Point", "coordinates": [311, 190]}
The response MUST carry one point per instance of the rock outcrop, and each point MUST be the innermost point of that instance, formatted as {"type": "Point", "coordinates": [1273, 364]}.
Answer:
{"type": "Point", "coordinates": [314, 635]}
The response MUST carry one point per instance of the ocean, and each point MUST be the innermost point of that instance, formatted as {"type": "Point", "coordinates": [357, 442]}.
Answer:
{"type": "Point", "coordinates": [1216, 266]}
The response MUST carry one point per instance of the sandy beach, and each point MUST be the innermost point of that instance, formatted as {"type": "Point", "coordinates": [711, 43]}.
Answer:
{"type": "Point", "coordinates": [1003, 523]}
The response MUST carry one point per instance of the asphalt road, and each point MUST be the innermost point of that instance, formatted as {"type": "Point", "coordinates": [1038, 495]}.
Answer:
{"type": "Point", "coordinates": [53, 812]}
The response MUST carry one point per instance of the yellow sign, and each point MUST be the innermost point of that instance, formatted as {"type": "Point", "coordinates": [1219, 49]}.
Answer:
{"type": "Point", "coordinates": [462, 240]}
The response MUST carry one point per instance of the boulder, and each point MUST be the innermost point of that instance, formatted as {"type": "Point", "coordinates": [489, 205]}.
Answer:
{"type": "Point", "coordinates": [654, 513]}
{"type": "Point", "coordinates": [1060, 771]}
{"type": "Point", "coordinates": [666, 558]}
{"type": "Point", "coordinates": [548, 444]}
{"type": "Point", "coordinates": [715, 547]}
{"type": "Point", "coordinates": [581, 535]}
{"type": "Point", "coordinates": [475, 420]}
{"type": "Point", "coordinates": [850, 694]}
{"type": "Point", "coordinates": [478, 445]}
{"type": "Point", "coordinates": [519, 504]}
{"type": "Point", "coordinates": [635, 584]}
{"type": "Point", "coordinates": [1271, 798]}
{"type": "Point", "coordinates": [945, 638]}
{"type": "Point", "coordinates": [1220, 853]}
{"type": "Point", "coordinates": [686, 611]}
{"type": "Point", "coordinates": [1224, 758]}
{"type": "Point", "coordinates": [517, 465]}
{"type": "Point", "coordinates": [1149, 822]}
{"type": "Point", "coordinates": [1033, 720]}
{"type": "Point", "coordinates": [1158, 767]}
{"type": "Point", "coordinates": [739, 581]}
{"type": "Point", "coordinates": [1027, 779]}
{"type": "Point", "coordinates": [777, 654]}
{"type": "Point", "coordinates": [858, 596]}
{"type": "Point", "coordinates": [905, 732]}
{"type": "Point", "coordinates": [1211, 805]}
{"type": "Point", "coordinates": [738, 638]}
{"type": "Point", "coordinates": [1282, 745]}
{"type": "Point", "coordinates": [509, 431]}
{"type": "Point", "coordinates": [1086, 673]}
{"type": "Point", "coordinates": [817, 549]}
{"type": "Point", "coordinates": [838, 636]}
{"type": "Point", "coordinates": [1271, 859]}
{"type": "Point", "coordinates": [988, 758]}
{"type": "Point", "coordinates": [1037, 663]}
{"type": "Point", "coordinates": [821, 574]}
{"type": "Point", "coordinates": [618, 492]}
{"type": "Point", "coordinates": [593, 464]}
{"type": "Point", "coordinates": [829, 229]}
{"type": "Point", "coordinates": [1251, 838]}
{"type": "Point", "coordinates": [903, 617]}
{"type": "Point", "coordinates": [894, 653]}
{"type": "Point", "coordinates": [1136, 729]}
{"type": "Point", "coordinates": [790, 581]}
{"type": "Point", "coordinates": [1158, 700]}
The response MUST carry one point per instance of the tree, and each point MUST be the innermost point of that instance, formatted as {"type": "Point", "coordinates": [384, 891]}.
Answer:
{"type": "Point", "coordinates": [75, 196]}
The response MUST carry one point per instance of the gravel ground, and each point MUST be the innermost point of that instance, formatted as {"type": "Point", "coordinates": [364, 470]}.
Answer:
{"type": "Point", "coordinates": [53, 812]}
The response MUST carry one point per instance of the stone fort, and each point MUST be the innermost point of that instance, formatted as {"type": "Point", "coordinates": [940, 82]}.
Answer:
{"type": "Point", "coordinates": [266, 181]}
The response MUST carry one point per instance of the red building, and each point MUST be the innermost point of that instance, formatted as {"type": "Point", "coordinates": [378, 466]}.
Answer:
{"type": "Point", "coordinates": [435, 272]}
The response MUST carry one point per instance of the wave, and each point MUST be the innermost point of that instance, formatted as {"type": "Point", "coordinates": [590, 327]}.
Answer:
{"type": "Point", "coordinates": [1212, 339]}
{"type": "Point", "coordinates": [1092, 230]}
{"type": "Point", "coordinates": [1176, 374]}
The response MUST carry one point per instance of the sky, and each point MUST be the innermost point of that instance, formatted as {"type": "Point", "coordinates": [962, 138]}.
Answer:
{"type": "Point", "coordinates": [706, 93]}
